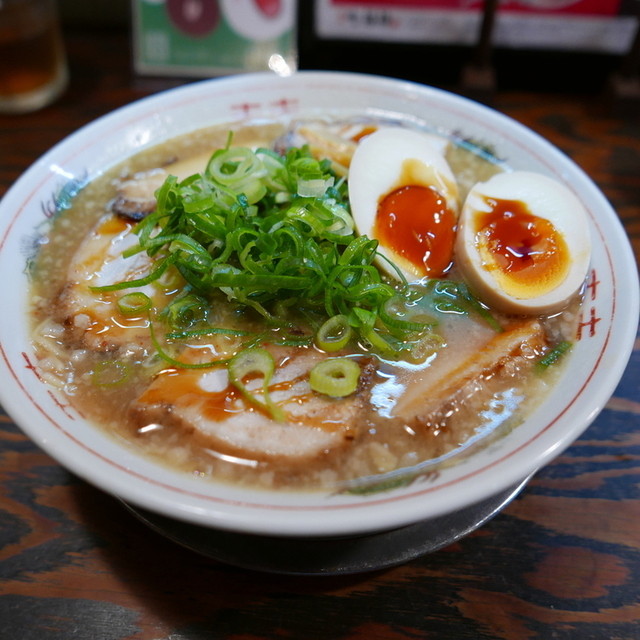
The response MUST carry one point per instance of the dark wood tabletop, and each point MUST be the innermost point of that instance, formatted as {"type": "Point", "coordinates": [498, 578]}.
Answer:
{"type": "Point", "coordinates": [561, 561]}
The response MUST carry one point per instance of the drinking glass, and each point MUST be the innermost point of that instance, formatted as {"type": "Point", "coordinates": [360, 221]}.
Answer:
{"type": "Point", "coordinates": [33, 66]}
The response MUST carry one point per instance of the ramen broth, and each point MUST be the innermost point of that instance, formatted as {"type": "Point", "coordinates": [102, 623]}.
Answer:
{"type": "Point", "coordinates": [401, 415]}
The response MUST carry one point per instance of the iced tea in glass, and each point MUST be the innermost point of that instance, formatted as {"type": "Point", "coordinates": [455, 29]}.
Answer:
{"type": "Point", "coordinates": [33, 68]}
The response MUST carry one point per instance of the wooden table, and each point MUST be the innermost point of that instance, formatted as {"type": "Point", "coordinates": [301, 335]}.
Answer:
{"type": "Point", "coordinates": [561, 561]}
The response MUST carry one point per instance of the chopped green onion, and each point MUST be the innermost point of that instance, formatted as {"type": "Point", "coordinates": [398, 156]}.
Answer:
{"type": "Point", "coordinates": [274, 232]}
{"type": "Point", "coordinates": [335, 377]}
{"type": "Point", "coordinates": [162, 353]}
{"type": "Point", "coordinates": [424, 347]}
{"type": "Point", "coordinates": [375, 340]}
{"type": "Point", "coordinates": [314, 188]}
{"type": "Point", "coordinates": [110, 373]}
{"type": "Point", "coordinates": [252, 362]}
{"type": "Point", "coordinates": [334, 334]}
{"type": "Point", "coordinates": [133, 303]}
{"type": "Point", "coordinates": [160, 268]}
{"type": "Point", "coordinates": [364, 319]}
{"type": "Point", "coordinates": [186, 311]}
{"type": "Point", "coordinates": [396, 312]}
{"type": "Point", "coordinates": [170, 280]}
{"type": "Point", "coordinates": [554, 355]}
{"type": "Point", "coordinates": [388, 482]}
{"type": "Point", "coordinates": [451, 296]}
{"type": "Point", "coordinates": [208, 331]}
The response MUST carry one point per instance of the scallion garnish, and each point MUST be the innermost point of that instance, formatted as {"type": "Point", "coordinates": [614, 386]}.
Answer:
{"type": "Point", "coordinates": [554, 355]}
{"type": "Point", "coordinates": [134, 303]}
{"type": "Point", "coordinates": [274, 234]}
{"type": "Point", "coordinates": [186, 311]}
{"type": "Point", "coordinates": [334, 334]}
{"type": "Point", "coordinates": [181, 364]}
{"type": "Point", "coordinates": [251, 363]}
{"type": "Point", "coordinates": [336, 377]}
{"type": "Point", "coordinates": [450, 296]}
{"type": "Point", "coordinates": [263, 229]}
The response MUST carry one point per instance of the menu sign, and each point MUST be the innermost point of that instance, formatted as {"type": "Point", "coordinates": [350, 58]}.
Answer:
{"type": "Point", "coordinates": [578, 25]}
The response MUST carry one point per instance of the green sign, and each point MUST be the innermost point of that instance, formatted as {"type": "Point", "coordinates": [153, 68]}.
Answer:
{"type": "Point", "coordinates": [214, 37]}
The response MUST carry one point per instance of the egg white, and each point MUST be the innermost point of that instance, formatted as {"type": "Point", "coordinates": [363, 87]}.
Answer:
{"type": "Point", "coordinates": [376, 169]}
{"type": "Point", "coordinates": [545, 198]}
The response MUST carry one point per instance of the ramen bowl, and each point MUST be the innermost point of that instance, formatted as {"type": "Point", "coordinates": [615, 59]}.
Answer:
{"type": "Point", "coordinates": [457, 496]}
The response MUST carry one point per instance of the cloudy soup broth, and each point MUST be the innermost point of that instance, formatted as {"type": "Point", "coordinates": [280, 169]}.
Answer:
{"type": "Point", "coordinates": [224, 315]}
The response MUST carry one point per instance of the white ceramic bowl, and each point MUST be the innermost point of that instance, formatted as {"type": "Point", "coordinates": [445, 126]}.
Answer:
{"type": "Point", "coordinates": [596, 362]}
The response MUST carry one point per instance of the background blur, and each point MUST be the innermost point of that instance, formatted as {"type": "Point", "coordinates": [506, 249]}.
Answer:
{"type": "Point", "coordinates": [561, 68]}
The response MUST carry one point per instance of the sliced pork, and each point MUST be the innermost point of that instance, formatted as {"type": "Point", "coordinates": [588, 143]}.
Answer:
{"type": "Point", "coordinates": [207, 406]}
{"type": "Point", "coordinates": [91, 317]}
{"type": "Point", "coordinates": [470, 380]}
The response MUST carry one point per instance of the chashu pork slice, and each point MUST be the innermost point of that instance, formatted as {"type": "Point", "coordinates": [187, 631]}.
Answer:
{"type": "Point", "coordinates": [206, 405]}
{"type": "Point", "coordinates": [503, 357]}
{"type": "Point", "coordinates": [93, 317]}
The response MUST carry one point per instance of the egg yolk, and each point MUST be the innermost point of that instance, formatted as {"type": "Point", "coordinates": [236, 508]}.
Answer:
{"type": "Point", "coordinates": [415, 222]}
{"type": "Point", "coordinates": [528, 252]}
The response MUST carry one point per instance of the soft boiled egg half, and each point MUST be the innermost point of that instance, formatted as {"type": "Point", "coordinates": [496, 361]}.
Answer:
{"type": "Point", "coordinates": [403, 194]}
{"type": "Point", "coordinates": [523, 243]}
